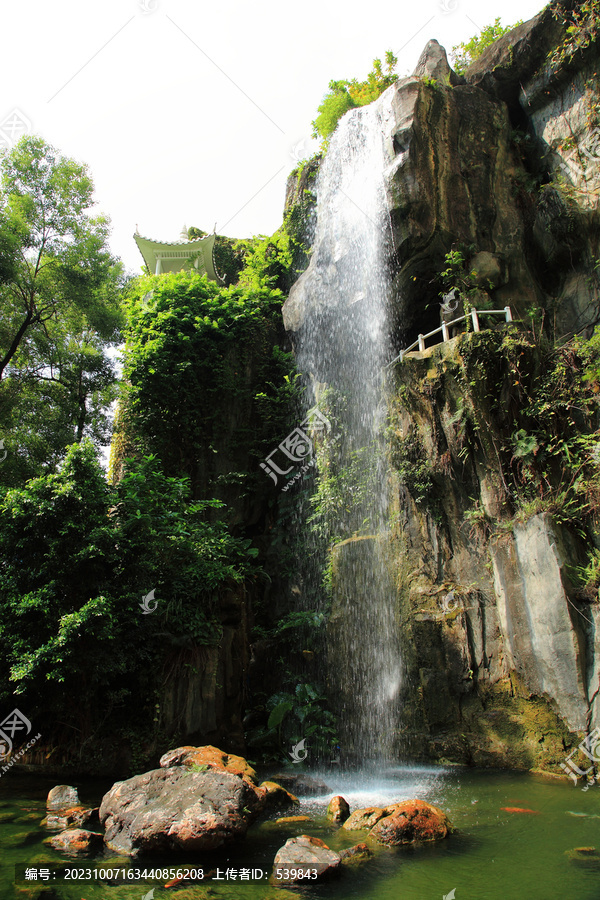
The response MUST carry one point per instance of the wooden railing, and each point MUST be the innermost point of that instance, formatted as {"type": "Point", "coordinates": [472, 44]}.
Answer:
{"type": "Point", "coordinates": [443, 329]}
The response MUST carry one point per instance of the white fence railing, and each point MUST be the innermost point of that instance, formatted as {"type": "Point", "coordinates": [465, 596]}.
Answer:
{"type": "Point", "coordinates": [443, 329]}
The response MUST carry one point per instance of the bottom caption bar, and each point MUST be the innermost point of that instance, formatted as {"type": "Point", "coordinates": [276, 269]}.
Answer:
{"type": "Point", "coordinates": [120, 875]}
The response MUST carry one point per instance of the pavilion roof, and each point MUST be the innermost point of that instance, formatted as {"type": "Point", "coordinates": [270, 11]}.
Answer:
{"type": "Point", "coordinates": [162, 257]}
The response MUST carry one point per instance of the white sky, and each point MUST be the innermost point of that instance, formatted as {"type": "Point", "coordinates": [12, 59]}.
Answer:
{"type": "Point", "coordinates": [194, 112]}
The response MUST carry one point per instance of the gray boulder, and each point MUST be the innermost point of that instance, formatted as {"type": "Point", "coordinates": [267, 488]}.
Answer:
{"type": "Point", "coordinates": [63, 796]}
{"type": "Point", "coordinates": [176, 809]}
{"type": "Point", "coordinates": [301, 857]}
{"type": "Point", "coordinates": [433, 63]}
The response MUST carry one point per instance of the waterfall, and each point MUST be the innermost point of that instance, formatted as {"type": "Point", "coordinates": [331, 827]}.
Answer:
{"type": "Point", "coordinates": [340, 307]}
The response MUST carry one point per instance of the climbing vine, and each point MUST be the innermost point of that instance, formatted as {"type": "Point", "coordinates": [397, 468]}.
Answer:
{"type": "Point", "coordinates": [205, 373]}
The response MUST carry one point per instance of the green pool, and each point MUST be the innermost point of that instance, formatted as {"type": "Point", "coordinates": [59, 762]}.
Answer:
{"type": "Point", "coordinates": [494, 855]}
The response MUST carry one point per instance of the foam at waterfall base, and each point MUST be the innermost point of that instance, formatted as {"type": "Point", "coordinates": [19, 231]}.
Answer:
{"type": "Point", "coordinates": [369, 787]}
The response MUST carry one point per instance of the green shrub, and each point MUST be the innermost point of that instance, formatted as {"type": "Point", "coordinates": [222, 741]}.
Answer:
{"type": "Point", "coordinates": [463, 55]}
{"type": "Point", "coordinates": [345, 95]}
{"type": "Point", "coordinates": [582, 26]}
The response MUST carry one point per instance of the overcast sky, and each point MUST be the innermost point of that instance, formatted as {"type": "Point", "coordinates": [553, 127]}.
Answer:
{"type": "Point", "coordinates": [195, 113]}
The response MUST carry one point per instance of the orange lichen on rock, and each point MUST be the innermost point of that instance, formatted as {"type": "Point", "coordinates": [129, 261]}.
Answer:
{"type": "Point", "coordinates": [412, 821]}
{"type": "Point", "coordinates": [272, 795]}
{"type": "Point", "coordinates": [212, 757]}
{"type": "Point", "coordinates": [364, 818]}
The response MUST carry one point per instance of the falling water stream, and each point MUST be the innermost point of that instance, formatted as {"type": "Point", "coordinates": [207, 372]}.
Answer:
{"type": "Point", "coordinates": [344, 345]}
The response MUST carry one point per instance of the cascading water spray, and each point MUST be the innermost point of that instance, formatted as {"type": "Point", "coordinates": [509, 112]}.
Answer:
{"type": "Point", "coordinates": [340, 304]}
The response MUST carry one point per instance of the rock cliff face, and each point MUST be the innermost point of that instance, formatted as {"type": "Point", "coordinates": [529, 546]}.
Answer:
{"type": "Point", "coordinates": [518, 641]}
{"type": "Point", "coordinates": [500, 648]}
{"type": "Point", "coordinates": [501, 657]}
{"type": "Point", "coordinates": [204, 689]}
{"type": "Point", "coordinates": [453, 180]}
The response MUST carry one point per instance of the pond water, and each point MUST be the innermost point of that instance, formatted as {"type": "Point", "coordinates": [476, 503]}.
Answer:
{"type": "Point", "coordinates": [494, 854]}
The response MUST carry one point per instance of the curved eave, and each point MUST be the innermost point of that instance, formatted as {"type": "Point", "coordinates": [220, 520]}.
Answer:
{"type": "Point", "coordinates": [174, 255]}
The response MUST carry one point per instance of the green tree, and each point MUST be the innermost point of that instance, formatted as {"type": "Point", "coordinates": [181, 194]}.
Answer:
{"type": "Point", "coordinates": [463, 55]}
{"type": "Point", "coordinates": [335, 104]}
{"type": "Point", "coordinates": [376, 82]}
{"type": "Point", "coordinates": [57, 552]}
{"type": "Point", "coordinates": [76, 558]}
{"type": "Point", "coordinates": [59, 306]}
{"type": "Point", "coordinates": [345, 95]}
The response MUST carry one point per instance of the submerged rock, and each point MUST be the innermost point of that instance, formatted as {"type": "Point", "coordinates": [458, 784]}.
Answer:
{"type": "Point", "coordinates": [301, 857]}
{"type": "Point", "coordinates": [287, 820]}
{"type": "Point", "coordinates": [28, 817]}
{"type": "Point", "coordinates": [25, 892]}
{"type": "Point", "coordinates": [357, 853]}
{"type": "Point", "coordinates": [411, 821]}
{"type": "Point", "coordinates": [173, 809]}
{"type": "Point", "coordinates": [63, 796]}
{"type": "Point", "coordinates": [76, 815]}
{"type": "Point", "coordinates": [77, 841]}
{"type": "Point", "coordinates": [338, 809]}
{"type": "Point", "coordinates": [211, 757]}
{"type": "Point", "coordinates": [302, 784]}
{"type": "Point", "coordinates": [21, 839]}
{"type": "Point", "coordinates": [588, 857]}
